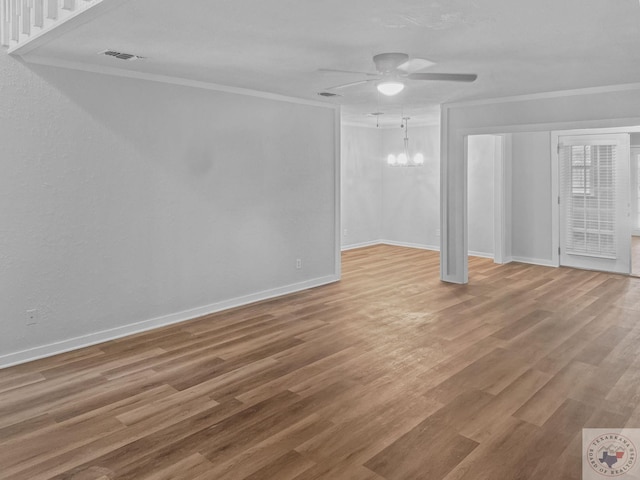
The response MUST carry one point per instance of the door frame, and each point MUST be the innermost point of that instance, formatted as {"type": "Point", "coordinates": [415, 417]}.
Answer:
{"type": "Point", "coordinates": [635, 149]}
{"type": "Point", "coordinates": [502, 199]}
{"type": "Point", "coordinates": [555, 177]}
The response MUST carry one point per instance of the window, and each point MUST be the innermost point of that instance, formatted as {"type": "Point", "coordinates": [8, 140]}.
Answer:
{"type": "Point", "coordinates": [590, 185]}
{"type": "Point", "coordinates": [581, 170]}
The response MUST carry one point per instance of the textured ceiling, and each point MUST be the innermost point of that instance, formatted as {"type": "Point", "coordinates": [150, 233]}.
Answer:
{"type": "Point", "coordinates": [515, 46]}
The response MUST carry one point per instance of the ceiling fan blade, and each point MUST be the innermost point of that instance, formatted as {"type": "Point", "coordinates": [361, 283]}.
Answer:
{"type": "Point", "coordinates": [332, 70]}
{"type": "Point", "coordinates": [450, 77]}
{"type": "Point", "coordinates": [415, 65]}
{"type": "Point", "coordinates": [351, 84]}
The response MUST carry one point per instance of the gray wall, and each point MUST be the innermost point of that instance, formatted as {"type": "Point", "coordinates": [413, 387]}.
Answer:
{"type": "Point", "coordinates": [125, 201]}
{"type": "Point", "coordinates": [531, 196]}
{"type": "Point", "coordinates": [392, 204]}
{"type": "Point", "coordinates": [361, 175]}
{"type": "Point", "coordinates": [401, 205]}
{"type": "Point", "coordinates": [481, 152]}
{"type": "Point", "coordinates": [410, 206]}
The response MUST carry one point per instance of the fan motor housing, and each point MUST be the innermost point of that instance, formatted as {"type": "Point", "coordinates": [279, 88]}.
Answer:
{"type": "Point", "coordinates": [388, 62]}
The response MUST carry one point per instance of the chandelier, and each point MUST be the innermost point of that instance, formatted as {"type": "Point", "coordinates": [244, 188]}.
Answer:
{"type": "Point", "coordinates": [404, 158]}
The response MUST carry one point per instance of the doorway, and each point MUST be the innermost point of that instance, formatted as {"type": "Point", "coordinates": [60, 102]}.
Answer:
{"type": "Point", "coordinates": [487, 197]}
{"type": "Point", "coordinates": [594, 202]}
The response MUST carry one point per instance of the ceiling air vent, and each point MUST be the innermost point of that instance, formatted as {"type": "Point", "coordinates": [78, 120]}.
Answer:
{"type": "Point", "coordinates": [121, 55]}
{"type": "Point", "coordinates": [328, 94]}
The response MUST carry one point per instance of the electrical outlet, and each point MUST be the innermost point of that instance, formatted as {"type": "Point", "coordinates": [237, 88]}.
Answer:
{"type": "Point", "coordinates": [437, 232]}
{"type": "Point", "coordinates": [345, 232]}
{"type": "Point", "coordinates": [33, 317]}
{"type": "Point", "coordinates": [298, 263]}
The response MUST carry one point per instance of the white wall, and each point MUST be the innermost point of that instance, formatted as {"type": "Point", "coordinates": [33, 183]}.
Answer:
{"type": "Point", "coordinates": [410, 195]}
{"type": "Point", "coordinates": [481, 153]}
{"type": "Point", "coordinates": [531, 197]}
{"type": "Point", "coordinates": [361, 186]}
{"type": "Point", "coordinates": [124, 201]}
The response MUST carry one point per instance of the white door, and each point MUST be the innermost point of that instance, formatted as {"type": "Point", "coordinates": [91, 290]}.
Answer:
{"type": "Point", "coordinates": [595, 223]}
{"type": "Point", "coordinates": [635, 190]}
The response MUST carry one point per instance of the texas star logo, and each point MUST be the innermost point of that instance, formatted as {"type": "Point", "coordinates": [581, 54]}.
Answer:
{"type": "Point", "coordinates": [611, 454]}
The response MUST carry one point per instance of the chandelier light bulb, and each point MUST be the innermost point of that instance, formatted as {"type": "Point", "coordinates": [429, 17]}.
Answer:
{"type": "Point", "coordinates": [405, 159]}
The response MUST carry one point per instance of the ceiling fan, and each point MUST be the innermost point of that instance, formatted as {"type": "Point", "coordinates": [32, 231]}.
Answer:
{"type": "Point", "coordinates": [393, 68]}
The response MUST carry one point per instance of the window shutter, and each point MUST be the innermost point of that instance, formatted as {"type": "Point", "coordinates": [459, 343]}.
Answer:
{"type": "Point", "coordinates": [589, 187]}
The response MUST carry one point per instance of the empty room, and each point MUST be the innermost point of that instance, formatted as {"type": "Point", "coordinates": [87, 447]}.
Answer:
{"type": "Point", "coordinates": [300, 240]}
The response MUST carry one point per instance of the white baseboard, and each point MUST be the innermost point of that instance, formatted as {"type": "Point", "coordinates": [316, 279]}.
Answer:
{"type": "Point", "coordinates": [360, 245]}
{"type": "Point", "coordinates": [421, 246]}
{"type": "Point", "coordinates": [505, 260]}
{"type": "Point", "coordinates": [534, 261]}
{"type": "Point", "coordinates": [471, 253]}
{"type": "Point", "coordinates": [90, 339]}
{"type": "Point", "coordinates": [436, 248]}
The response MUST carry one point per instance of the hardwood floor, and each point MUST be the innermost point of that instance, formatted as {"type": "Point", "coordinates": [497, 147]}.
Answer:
{"type": "Point", "coordinates": [389, 374]}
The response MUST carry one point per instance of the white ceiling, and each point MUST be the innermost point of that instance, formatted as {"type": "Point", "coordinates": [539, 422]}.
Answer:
{"type": "Point", "coordinates": [515, 46]}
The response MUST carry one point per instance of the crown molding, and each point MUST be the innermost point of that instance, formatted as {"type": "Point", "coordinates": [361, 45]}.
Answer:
{"type": "Point", "coordinates": [545, 95]}
{"type": "Point", "coordinates": [171, 80]}
{"type": "Point", "coordinates": [348, 123]}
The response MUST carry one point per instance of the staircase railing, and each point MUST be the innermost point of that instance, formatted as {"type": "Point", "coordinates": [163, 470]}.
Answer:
{"type": "Point", "coordinates": [22, 20]}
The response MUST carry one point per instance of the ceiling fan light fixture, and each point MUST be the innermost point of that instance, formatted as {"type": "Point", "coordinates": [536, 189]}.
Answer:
{"type": "Point", "coordinates": [390, 87]}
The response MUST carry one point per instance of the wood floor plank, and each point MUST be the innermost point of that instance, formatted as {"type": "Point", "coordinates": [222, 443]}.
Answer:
{"type": "Point", "coordinates": [388, 374]}
{"type": "Point", "coordinates": [494, 417]}
{"type": "Point", "coordinates": [118, 450]}
{"type": "Point", "coordinates": [491, 373]}
{"type": "Point", "coordinates": [189, 467]}
{"type": "Point", "coordinates": [554, 393]}
{"type": "Point", "coordinates": [342, 444]}
{"type": "Point", "coordinates": [258, 460]}
{"type": "Point", "coordinates": [499, 456]}
{"type": "Point", "coordinates": [415, 455]}
{"type": "Point", "coordinates": [522, 324]}
{"type": "Point", "coordinates": [286, 467]}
